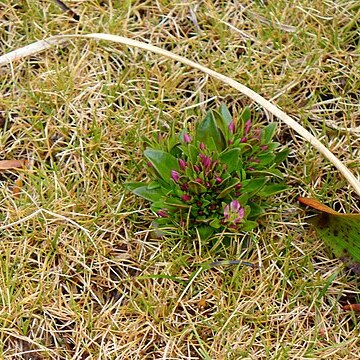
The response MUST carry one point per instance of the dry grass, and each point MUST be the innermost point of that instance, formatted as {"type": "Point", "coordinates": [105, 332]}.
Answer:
{"type": "Point", "coordinates": [81, 276]}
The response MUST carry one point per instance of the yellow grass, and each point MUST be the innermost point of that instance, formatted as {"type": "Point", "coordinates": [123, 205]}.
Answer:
{"type": "Point", "coordinates": [81, 275]}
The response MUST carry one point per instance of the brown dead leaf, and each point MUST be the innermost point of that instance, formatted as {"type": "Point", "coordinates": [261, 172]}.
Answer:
{"type": "Point", "coordinates": [354, 307]}
{"type": "Point", "coordinates": [316, 205]}
{"type": "Point", "coordinates": [12, 164]}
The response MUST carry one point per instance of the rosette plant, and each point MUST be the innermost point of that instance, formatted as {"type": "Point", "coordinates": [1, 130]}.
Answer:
{"type": "Point", "coordinates": [214, 179]}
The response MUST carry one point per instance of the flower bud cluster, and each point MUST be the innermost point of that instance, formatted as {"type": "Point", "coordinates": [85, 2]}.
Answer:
{"type": "Point", "coordinates": [214, 179]}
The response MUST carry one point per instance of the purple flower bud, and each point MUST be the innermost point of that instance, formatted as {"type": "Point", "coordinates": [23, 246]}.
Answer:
{"type": "Point", "coordinates": [196, 168]}
{"type": "Point", "coordinates": [187, 138]}
{"type": "Point", "coordinates": [230, 142]}
{"type": "Point", "coordinates": [241, 214]}
{"type": "Point", "coordinates": [184, 187]}
{"type": "Point", "coordinates": [149, 164]}
{"type": "Point", "coordinates": [186, 197]}
{"type": "Point", "coordinates": [175, 175]}
{"type": "Point", "coordinates": [233, 212]}
{"type": "Point", "coordinates": [208, 185]}
{"type": "Point", "coordinates": [251, 169]}
{"type": "Point", "coordinates": [255, 160]}
{"type": "Point", "coordinates": [243, 140]}
{"type": "Point", "coordinates": [182, 164]}
{"type": "Point", "coordinates": [198, 180]}
{"type": "Point", "coordinates": [264, 147]}
{"type": "Point", "coordinates": [202, 146]}
{"type": "Point", "coordinates": [162, 213]}
{"type": "Point", "coordinates": [232, 127]}
{"type": "Point", "coordinates": [234, 205]}
{"type": "Point", "coordinates": [247, 127]}
{"type": "Point", "coordinates": [218, 179]}
{"type": "Point", "coordinates": [206, 161]}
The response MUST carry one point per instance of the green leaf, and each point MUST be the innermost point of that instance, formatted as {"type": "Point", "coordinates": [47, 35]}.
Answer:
{"type": "Point", "coordinates": [266, 159]}
{"type": "Point", "coordinates": [341, 232]}
{"type": "Point", "coordinates": [216, 224]}
{"type": "Point", "coordinates": [272, 172]}
{"type": "Point", "coordinates": [225, 113]}
{"type": "Point", "coordinates": [268, 132]}
{"type": "Point", "coordinates": [281, 156]}
{"type": "Point", "coordinates": [245, 115]}
{"type": "Point", "coordinates": [190, 151]}
{"type": "Point", "coordinates": [272, 189]}
{"type": "Point", "coordinates": [133, 185]}
{"type": "Point", "coordinates": [163, 162]}
{"type": "Point", "coordinates": [256, 210]}
{"type": "Point", "coordinates": [205, 232]}
{"type": "Point", "coordinates": [224, 192]}
{"type": "Point", "coordinates": [149, 194]}
{"type": "Point", "coordinates": [208, 130]}
{"type": "Point", "coordinates": [231, 159]}
{"type": "Point", "coordinates": [253, 185]}
{"type": "Point", "coordinates": [175, 202]}
{"type": "Point", "coordinates": [249, 225]}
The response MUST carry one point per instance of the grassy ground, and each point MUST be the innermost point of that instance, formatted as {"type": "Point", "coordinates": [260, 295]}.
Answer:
{"type": "Point", "coordinates": [81, 276]}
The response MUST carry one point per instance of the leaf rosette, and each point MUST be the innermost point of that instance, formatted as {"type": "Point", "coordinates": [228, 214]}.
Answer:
{"type": "Point", "coordinates": [214, 179]}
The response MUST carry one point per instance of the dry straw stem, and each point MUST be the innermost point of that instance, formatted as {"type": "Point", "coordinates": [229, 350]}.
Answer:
{"type": "Point", "coordinates": [47, 43]}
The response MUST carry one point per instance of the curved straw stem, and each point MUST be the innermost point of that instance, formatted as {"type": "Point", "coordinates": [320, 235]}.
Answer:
{"type": "Point", "coordinates": [45, 44]}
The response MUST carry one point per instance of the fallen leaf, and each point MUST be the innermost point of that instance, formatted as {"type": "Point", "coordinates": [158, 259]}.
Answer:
{"type": "Point", "coordinates": [341, 232]}
{"type": "Point", "coordinates": [354, 307]}
{"type": "Point", "coordinates": [12, 164]}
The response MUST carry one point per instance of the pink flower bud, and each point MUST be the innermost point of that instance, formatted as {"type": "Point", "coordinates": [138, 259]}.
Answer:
{"type": "Point", "coordinates": [218, 179]}
{"type": "Point", "coordinates": [235, 205]}
{"type": "Point", "coordinates": [186, 197]}
{"type": "Point", "coordinates": [247, 127]}
{"type": "Point", "coordinates": [264, 147]}
{"type": "Point", "coordinates": [232, 127]}
{"type": "Point", "coordinates": [243, 140]}
{"type": "Point", "coordinates": [202, 146]}
{"type": "Point", "coordinates": [196, 168]}
{"type": "Point", "coordinates": [187, 138]}
{"type": "Point", "coordinates": [206, 161]}
{"type": "Point", "coordinates": [175, 175]}
{"type": "Point", "coordinates": [182, 164]}
{"type": "Point", "coordinates": [162, 213]}
{"type": "Point", "coordinates": [198, 180]}
{"type": "Point", "coordinates": [233, 213]}
{"type": "Point", "coordinates": [149, 164]}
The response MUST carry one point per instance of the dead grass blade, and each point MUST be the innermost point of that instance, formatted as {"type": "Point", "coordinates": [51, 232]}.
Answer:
{"type": "Point", "coordinates": [45, 44]}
